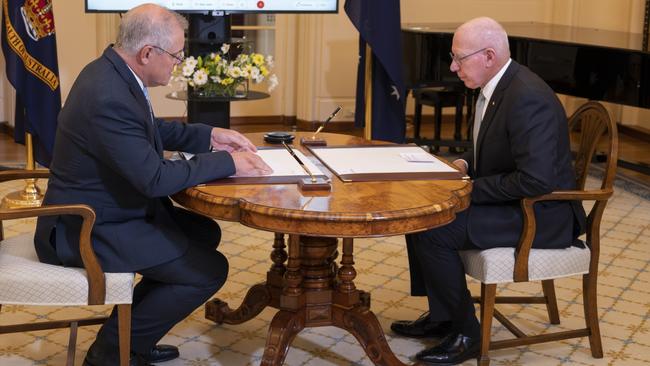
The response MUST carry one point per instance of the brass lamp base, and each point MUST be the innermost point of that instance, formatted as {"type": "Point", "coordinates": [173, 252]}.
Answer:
{"type": "Point", "coordinates": [30, 196]}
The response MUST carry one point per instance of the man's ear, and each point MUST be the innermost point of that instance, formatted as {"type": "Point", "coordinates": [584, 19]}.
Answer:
{"type": "Point", "coordinates": [491, 57]}
{"type": "Point", "coordinates": [144, 55]}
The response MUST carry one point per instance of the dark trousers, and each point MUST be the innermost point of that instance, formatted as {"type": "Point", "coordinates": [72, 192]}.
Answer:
{"type": "Point", "coordinates": [438, 272]}
{"type": "Point", "coordinates": [169, 292]}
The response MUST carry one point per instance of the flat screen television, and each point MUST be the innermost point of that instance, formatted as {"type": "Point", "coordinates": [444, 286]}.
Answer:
{"type": "Point", "coordinates": [219, 7]}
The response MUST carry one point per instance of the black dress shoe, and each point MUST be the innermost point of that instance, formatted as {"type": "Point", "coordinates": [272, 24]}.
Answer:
{"type": "Point", "coordinates": [422, 327]}
{"type": "Point", "coordinates": [161, 353]}
{"type": "Point", "coordinates": [454, 349]}
{"type": "Point", "coordinates": [100, 354]}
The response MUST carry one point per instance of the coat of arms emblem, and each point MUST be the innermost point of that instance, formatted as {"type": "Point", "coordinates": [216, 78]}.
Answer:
{"type": "Point", "coordinates": [38, 18]}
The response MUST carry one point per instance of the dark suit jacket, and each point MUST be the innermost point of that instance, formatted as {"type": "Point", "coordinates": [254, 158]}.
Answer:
{"type": "Point", "coordinates": [522, 150]}
{"type": "Point", "coordinates": [109, 154]}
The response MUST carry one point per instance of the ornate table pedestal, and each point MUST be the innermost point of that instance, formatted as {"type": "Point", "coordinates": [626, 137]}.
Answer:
{"type": "Point", "coordinates": [311, 290]}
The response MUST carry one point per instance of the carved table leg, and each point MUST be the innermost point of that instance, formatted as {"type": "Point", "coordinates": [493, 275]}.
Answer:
{"type": "Point", "coordinates": [257, 298]}
{"type": "Point", "coordinates": [353, 312]}
{"type": "Point", "coordinates": [278, 255]}
{"type": "Point", "coordinates": [284, 327]}
{"type": "Point", "coordinates": [363, 324]}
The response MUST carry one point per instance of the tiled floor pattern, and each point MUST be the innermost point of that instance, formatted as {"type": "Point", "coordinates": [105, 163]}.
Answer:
{"type": "Point", "coordinates": [624, 306]}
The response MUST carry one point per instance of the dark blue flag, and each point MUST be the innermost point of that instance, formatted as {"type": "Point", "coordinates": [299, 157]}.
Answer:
{"type": "Point", "coordinates": [29, 47]}
{"type": "Point", "coordinates": [378, 23]}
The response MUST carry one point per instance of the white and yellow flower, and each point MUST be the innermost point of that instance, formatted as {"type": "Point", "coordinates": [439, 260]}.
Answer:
{"type": "Point", "coordinates": [216, 71]}
{"type": "Point", "coordinates": [200, 77]}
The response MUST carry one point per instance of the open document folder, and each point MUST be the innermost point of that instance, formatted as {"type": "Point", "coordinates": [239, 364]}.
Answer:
{"type": "Point", "coordinates": [383, 162]}
{"type": "Point", "coordinates": [286, 169]}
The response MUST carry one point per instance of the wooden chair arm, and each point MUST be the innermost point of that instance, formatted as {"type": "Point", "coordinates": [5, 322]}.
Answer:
{"type": "Point", "coordinates": [7, 175]}
{"type": "Point", "coordinates": [96, 279]}
{"type": "Point", "coordinates": [522, 251]}
{"type": "Point", "coordinates": [590, 195]}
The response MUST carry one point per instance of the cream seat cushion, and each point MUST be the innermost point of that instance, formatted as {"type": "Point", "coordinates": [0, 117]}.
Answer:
{"type": "Point", "coordinates": [496, 265]}
{"type": "Point", "coordinates": [26, 281]}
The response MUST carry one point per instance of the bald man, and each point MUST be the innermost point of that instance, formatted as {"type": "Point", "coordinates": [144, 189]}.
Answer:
{"type": "Point", "coordinates": [109, 155]}
{"type": "Point", "coordinates": [521, 149]}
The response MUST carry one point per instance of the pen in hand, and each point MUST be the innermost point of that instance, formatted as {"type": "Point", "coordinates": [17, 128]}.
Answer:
{"type": "Point", "coordinates": [320, 128]}
{"type": "Point", "coordinates": [290, 150]}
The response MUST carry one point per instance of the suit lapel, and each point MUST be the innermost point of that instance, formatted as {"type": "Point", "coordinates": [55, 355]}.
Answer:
{"type": "Point", "coordinates": [493, 105]}
{"type": "Point", "coordinates": [137, 93]}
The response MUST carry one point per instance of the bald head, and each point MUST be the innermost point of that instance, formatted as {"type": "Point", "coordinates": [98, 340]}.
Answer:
{"type": "Point", "coordinates": [148, 24]}
{"type": "Point", "coordinates": [480, 49]}
{"type": "Point", "coordinates": [485, 32]}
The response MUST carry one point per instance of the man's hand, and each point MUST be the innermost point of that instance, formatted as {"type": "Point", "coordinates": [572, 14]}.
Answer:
{"type": "Point", "coordinates": [461, 165]}
{"type": "Point", "coordinates": [229, 140]}
{"type": "Point", "coordinates": [249, 164]}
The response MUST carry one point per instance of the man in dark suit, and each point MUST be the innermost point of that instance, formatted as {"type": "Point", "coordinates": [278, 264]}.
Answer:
{"type": "Point", "coordinates": [109, 155]}
{"type": "Point", "coordinates": [521, 149]}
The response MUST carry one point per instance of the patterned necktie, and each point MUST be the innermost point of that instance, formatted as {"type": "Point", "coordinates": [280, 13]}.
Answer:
{"type": "Point", "coordinates": [478, 117]}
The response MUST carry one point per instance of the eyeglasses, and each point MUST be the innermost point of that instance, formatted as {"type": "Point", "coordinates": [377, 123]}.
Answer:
{"type": "Point", "coordinates": [459, 59]}
{"type": "Point", "coordinates": [178, 56]}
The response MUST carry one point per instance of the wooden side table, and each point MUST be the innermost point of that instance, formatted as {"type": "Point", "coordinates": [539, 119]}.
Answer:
{"type": "Point", "coordinates": [213, 111]}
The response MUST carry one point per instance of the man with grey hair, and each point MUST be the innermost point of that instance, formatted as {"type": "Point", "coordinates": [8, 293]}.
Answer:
{"type": "Point", "coordinates": [521, 149]}
{"type": "Point", "coordinates": [108, 154]}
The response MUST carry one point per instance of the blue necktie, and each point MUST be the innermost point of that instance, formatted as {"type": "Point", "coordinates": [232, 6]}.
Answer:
{"type": "Point", "coordinates": [146, 95]}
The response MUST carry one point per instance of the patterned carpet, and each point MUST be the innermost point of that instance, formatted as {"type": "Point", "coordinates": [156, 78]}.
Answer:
{"type": "Point", "coordinates": [624, 305]}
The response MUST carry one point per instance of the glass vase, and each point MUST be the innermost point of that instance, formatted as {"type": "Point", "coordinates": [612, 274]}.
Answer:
{"type": "Point", "coordinates": [241, 89]}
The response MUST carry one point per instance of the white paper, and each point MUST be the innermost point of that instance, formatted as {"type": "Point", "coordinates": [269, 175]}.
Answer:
{"type": "Point", "coordinates": [283, 164]}
{"type": "Point", "coordinates": [381, 159]}
{"type": "Point", "coordinates": [418, 157]}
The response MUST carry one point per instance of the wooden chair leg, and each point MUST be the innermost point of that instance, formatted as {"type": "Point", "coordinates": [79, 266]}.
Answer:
{"type": "Point", "coordinates": [458, 122]}
{"type": "Point", "coordinates": [417, 118]}
{"type": "Point", "coordinates": [488, 297]}
{"type": "Point", "coordinates": [124, 332]}
{"type": "Point", "coordinates": [72, 343]}
{"type": "Point", "coordinates": [551, 301]}
{"type": "Point", "coordinates": [469, 115]}
{"type": "Point", "coordinates": [590, 304]}
{"type": "Point", "coordinates": [437, 123]}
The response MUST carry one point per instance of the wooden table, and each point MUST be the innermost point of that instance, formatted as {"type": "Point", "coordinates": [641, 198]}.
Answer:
{"type": "Point", "coordinates": [304, 281]}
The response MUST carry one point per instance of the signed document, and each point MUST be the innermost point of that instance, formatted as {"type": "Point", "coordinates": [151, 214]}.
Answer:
{"type": "Point", "coordinates": [384, 162]}
{"type": "Point", "coordinates": [286, 169]}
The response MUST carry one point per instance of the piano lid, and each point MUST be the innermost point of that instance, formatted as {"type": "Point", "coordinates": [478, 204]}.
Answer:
{"type": "Point", "coordinates": [548, 32]}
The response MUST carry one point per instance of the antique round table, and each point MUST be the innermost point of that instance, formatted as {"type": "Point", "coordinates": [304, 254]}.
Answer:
{"type": "Point", "coordinates": [304, 282]}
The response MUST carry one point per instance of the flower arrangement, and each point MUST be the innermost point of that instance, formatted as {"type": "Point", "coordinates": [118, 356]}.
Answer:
{"type": "Point", "coordinates": [216, 74]}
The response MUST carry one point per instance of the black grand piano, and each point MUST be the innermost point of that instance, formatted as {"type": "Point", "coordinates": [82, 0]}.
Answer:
{"type": "Point", "coordinates": [589, 63]}
{"type": "Point", "coordinates": [595, 64]}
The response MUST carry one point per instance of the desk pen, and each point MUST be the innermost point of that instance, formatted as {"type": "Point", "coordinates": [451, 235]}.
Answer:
{"type": "Point", "coordinates": [290, 150]}
{"type": "Point", "coordinates": [320, 128]}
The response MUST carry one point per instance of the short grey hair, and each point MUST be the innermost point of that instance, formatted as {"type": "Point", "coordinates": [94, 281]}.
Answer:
{"type": "Point", "coordinates": [148, 24]}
